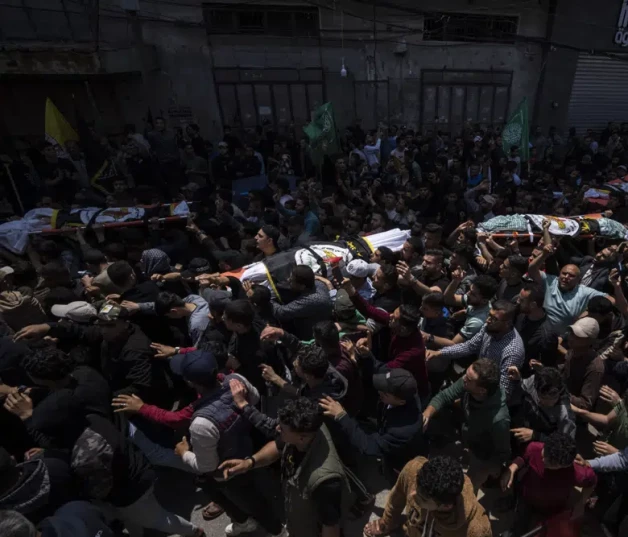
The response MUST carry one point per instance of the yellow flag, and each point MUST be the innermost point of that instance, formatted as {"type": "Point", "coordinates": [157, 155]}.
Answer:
{"type": "Point", "coordinates": [58, 130]}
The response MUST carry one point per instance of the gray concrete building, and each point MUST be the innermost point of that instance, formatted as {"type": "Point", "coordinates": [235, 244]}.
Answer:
{"type": "Point", "coordinates": [435, 64]}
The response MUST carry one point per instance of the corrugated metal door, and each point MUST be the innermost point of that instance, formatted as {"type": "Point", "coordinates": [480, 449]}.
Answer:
{"type": "Point", "coordinates": [598, 94]}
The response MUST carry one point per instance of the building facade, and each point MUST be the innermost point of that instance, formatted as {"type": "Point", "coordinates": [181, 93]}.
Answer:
{"type": "Point", "coordinates": [433, 66]}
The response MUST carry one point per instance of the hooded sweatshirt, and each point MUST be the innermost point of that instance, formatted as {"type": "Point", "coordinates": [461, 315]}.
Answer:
{"type": "Point", "coordinates": [76, 519]}
{"type": "Point", "coordinates": [486, 425]}
{"type": "Point", "coordinates": [542, 420]}
{"type": "Point", "coordinates": [31, 492]}
{"type": "Point", "coordinates": [20, 310]}
{"type": "Point", "coordinates": [466, 519]}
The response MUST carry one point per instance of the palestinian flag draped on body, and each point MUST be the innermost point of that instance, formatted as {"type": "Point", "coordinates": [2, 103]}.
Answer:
{"type": "Point", "coordinates": [322, 133]}
{"type": "Point", "coordinates": [58, 130]}
{"type": "Point", "coordinates": [516, 132]}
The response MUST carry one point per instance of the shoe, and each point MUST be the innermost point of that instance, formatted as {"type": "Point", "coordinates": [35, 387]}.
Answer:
{"type": "Point", "coordinates": [247, 526]}
{"type": "Point", "coordinates": [211, 511]}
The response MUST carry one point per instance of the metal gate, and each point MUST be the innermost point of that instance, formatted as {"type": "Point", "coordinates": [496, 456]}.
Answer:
{"type": "Point", "coordinates": [279, 97]}
{"type": "Point", "coordinates": [598, 94]}
{"type": "Point", "coordinates": [449, 99]}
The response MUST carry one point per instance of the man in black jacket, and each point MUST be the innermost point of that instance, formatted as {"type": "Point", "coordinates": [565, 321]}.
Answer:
{"type": "Point", "coordinates": [65, 393]}
{"type": "Point", "coordinates": [399, 436]}
{"type": "Point", "coordinates": [126, 358]}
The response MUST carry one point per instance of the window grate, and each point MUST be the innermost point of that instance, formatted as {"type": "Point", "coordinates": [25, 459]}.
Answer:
{"type": "Point", "coordinates": [468, 27]}
{"type": "Point", "coordinates": [268, 20]}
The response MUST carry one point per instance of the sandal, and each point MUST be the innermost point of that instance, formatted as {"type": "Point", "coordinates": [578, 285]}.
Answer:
{"type": "Point", "coordinates": [211, 511]}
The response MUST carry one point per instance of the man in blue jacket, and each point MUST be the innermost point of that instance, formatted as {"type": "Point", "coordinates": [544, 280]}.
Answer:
{"type": "Point", "coordinates": [399, 435]}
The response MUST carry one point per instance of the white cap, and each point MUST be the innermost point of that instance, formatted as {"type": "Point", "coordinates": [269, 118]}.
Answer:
{"type": "Point", "coordinates": [5, 271]}
{"type": "Point", "coordinates": [586, 327]}
{"type": "Point", "coordinates": [358, 268]}
{"type": "Point", "coordinates": [79, 311]}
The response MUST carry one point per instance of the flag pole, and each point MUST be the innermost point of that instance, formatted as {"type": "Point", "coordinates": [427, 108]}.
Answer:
{"type": "Point", "coordinates": [17, 194]}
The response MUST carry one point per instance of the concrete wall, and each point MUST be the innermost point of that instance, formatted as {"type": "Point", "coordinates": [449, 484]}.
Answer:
{"type": "Point", "coordinates": [579, 25]}
{"type": "Point", "coordinates": [167, 44]}
{"type": "Point", "coordinates": [368, 59]}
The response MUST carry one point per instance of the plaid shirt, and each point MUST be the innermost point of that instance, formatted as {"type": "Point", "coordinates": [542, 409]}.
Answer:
{"type": "Point", "coordinates": [506, 351]}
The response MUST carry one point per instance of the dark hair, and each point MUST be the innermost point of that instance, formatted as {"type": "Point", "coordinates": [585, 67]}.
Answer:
{"type": "Point", "coordinates": [166, 301]}
{"type": "Point", "coordinates": [50, 249]}
{"type": "Point", "coordinates": [488, 374]}
{"type": "Point", "coordinates": [261, 296]}
{"type": "Point", "coordinates": [225, 194]}
{"type": "Point", "coordinates": [383, 214]}
{"type": "Point", "coordinates": [548, 379]}
{"type": "Point", "coordinates": [296, 220]}
{"type": "Point", "coordinates": [559, 449]}
{"type": "Point", "coordinates": [433, 228]}
{"type": "Point", "coordinates": [55, 273]}
{"type": "Point", "coordinates": [387, 255]}
{"type": "Point", "coordinates": [326, 334]}
{"type": "Point", "coordinates": [313, 361]}
{"type": "Point", "coordinates": [410, 316]}
{"type": "Point", "coordinates": [537, 292]}
{"type": "Point", "coordinates": [302, 415]}
{"type": "Point", "coordinates": [272, 233]}
{"type": "Point", "coordinates": [600, 305]}
{"type": "Point", "coordinates": [303, 275]}
{"type": "Point", "coordinates": [464, 250]}
{"type": "Point", "coordinates": [519, 263]}
{"type": "Point", "coordinates": [441, 479]}
{"type": "Point", "coordinates": [120, 273]}
{"type": "Point", "coordinates": [486, 285]}
{"type": "Point", "coordinates": [47, 362]}
{"type": "Point", "coordinates": [335, 223]}
{"type": "Point", "coordinates": [437, 252]}
{"type": "Point", "coordinates": [470, 234]}
{"type": "Point", "coordinates": [240, 311]}
{"type": "Point", "coordinates": [434, 300]}
{"type": "Point", "coordinates": [390, 274]}
{"type": "Point", "coordinates": [417, 245]}
{"type": "Point", "coordinates": [507, 307]}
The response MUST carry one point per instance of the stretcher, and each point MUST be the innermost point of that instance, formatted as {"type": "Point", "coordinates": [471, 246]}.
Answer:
{"type": "Point", "coordinates": [14, 234]}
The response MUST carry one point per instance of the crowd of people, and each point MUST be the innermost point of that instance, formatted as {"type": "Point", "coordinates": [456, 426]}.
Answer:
{"type": "Point", "coordinates": [460, 363]}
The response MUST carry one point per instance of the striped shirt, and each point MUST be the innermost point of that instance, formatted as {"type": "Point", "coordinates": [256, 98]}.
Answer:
{"type": "Point", "coordinates": [507, 351]}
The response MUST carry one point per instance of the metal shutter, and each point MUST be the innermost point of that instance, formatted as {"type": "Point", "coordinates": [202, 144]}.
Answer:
{"type": "Point", "coordinates": [599, 93]}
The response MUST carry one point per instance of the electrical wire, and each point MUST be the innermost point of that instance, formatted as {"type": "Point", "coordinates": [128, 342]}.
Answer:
{"type": "Point", "coordinates": [123, 14]}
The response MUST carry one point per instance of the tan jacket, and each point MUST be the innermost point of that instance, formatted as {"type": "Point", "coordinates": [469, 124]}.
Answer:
{"type": "Point", "coordinates": [467, 519]}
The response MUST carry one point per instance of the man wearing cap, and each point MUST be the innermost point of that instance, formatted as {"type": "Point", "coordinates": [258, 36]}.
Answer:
{"type": "Point", "coordinates": [78, 311]}
{"type": "Point", "coordinates": [399, 435]}
{"type": "Point", "coordinates": [218, 433]}
{"type": "Point", "coordinates": [584, 367]}
{"type": "Point", "coordinates": [358, 272]}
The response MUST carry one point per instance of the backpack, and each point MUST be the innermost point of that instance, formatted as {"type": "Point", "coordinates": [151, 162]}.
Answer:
{"type": "Point", "coordinates": [92, 461]}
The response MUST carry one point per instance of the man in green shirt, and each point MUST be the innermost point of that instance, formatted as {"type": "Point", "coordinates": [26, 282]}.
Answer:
{"type": "Point", "coordinates": [486, 427]}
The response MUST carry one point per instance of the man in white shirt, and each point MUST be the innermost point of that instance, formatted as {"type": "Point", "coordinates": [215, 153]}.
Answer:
{"type": "Point", "coordinates": [371, 149]}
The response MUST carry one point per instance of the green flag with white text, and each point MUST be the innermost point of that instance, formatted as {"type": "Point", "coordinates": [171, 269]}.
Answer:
{"type": "Point", "coordinates": [322, 133]}
{"type": "Point", "coordinates": [516, 132]}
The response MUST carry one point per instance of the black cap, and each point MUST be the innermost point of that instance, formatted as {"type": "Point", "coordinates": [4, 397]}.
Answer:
{"type": "Point", "coordinates": [398, 382]}
{"type": "Point", "coordinates": [198, 265]}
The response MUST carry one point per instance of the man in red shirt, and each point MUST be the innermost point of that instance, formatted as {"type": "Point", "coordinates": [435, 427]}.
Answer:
{"type": "Point", "coordinates": [406, 350]}
{"type": "Point", "coordinates": [547, 488]}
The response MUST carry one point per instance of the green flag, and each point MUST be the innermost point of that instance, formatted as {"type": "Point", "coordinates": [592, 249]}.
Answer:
{"type": "Point", "coordinates": [516, 132]}
{"type": "Point", "coordinates": [322, 133]}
